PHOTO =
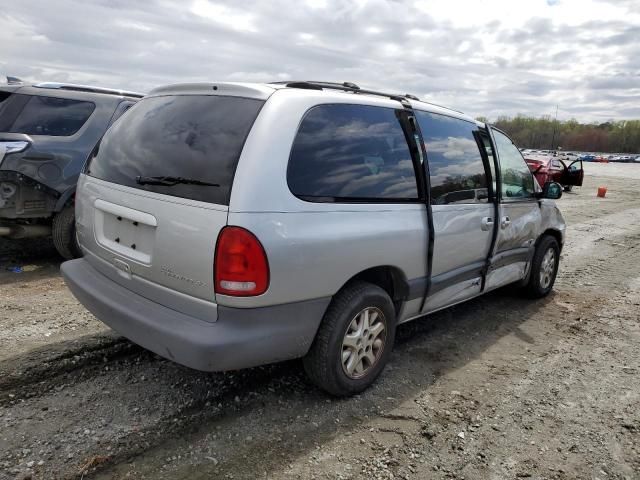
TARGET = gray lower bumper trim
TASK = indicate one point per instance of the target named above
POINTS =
(240, 338)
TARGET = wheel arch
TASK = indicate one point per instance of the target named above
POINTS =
(65, 199)
(388, 277)
(552, 232)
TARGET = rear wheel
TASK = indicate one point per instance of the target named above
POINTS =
(354, 341)
(544, 268)
(63, 230)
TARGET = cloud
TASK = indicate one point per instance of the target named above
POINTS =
(496, 57)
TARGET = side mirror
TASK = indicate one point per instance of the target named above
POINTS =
(552, 190)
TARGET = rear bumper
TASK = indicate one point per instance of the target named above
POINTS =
(240, 338)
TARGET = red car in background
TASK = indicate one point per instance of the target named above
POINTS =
(552, 169)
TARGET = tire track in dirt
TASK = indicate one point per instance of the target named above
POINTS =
(126, 406)
(19, 376)
(600, 253)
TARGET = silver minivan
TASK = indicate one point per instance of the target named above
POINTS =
(231, 225)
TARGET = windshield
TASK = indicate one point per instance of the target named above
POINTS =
(185, 136)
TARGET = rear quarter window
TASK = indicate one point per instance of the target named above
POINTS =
(57, 117)
(351, 153)
(197, 137)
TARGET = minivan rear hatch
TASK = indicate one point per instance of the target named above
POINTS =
(156, 189)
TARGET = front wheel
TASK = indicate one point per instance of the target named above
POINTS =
(544, 268)
(354, 341)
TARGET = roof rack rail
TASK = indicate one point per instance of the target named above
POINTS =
(88, 88)
(442, 106)
(344, 86)
(352, 87)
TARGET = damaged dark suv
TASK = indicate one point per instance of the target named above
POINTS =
(47, 131)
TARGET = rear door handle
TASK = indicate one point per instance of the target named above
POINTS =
(486, 224)
(505, 222)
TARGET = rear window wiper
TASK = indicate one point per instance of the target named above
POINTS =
(169, 181)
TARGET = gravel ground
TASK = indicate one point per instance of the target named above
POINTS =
(496, 388)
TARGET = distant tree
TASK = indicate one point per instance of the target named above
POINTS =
(613, 136)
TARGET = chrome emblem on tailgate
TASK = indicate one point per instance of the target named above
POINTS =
(120, 265)
(170, 273)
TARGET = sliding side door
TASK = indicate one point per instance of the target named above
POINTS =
(463, 216)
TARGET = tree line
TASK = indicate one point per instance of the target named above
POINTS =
(546, 133)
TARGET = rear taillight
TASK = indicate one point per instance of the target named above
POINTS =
(241, 266)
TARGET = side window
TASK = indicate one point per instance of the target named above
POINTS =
(344, 152)
(58, 117)
(457, 172)
(517, 180)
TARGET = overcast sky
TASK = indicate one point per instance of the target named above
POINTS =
(485, 57)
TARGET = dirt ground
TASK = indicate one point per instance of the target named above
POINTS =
(497, 388)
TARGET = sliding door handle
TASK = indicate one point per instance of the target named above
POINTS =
(505, 222)
(486, 224)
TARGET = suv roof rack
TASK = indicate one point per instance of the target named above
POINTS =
(344, 86)
(352, 87)
(88, 88)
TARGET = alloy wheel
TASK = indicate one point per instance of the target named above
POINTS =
(363, 343)
(547, 268)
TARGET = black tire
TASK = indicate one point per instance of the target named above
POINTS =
(323, 363)
(537, 286)
(568, 188)
(64, 233)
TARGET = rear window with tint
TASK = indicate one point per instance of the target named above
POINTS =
(57, 117)
(197, 137)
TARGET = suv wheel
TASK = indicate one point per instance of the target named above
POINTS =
(64, 233)
(354, 341)
(544, 268)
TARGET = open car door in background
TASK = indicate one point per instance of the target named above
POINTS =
(573, 174)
